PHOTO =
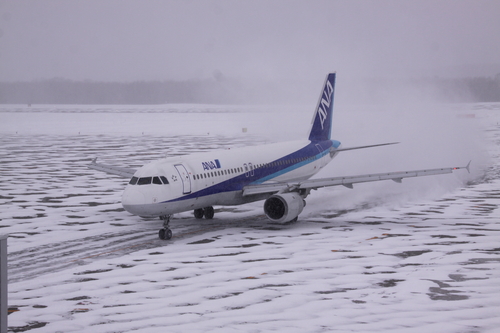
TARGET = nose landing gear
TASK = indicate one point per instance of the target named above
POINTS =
(165, 233)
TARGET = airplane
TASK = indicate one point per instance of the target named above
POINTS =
(277, 173)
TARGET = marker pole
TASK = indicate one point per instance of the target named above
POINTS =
(3, 284)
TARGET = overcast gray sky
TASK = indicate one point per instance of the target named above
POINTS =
(127, 40)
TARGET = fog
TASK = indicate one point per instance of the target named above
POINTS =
(385, 53)
(289, 44)
(388, 56)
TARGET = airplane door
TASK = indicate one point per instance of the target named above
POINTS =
(186, 180)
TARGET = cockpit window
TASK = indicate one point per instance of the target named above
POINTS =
(144, 181)
(158, 180)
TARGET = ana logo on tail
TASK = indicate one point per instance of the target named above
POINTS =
(322, 120)
(324, 105)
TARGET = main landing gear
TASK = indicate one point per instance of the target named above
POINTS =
(208, 212)
(165, 233)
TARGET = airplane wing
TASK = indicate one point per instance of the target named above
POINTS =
(345, 181)
(124, 172)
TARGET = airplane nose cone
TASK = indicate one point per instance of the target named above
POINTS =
(132, 200)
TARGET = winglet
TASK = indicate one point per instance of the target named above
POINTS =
(467, 167)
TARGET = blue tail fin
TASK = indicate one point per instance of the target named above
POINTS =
(322, 121)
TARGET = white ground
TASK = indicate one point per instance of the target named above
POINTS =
(385, 257)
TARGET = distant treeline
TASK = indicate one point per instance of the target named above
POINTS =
(227, 91)
(61, 91)
(476, 89)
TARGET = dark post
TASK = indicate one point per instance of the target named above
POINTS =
(3, 284)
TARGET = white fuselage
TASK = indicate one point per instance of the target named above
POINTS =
(218, 177)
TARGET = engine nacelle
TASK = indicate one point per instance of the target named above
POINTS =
(284, 207)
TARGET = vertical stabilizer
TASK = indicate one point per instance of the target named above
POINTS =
(322, 121)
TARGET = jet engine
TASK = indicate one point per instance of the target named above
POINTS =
(284, 207)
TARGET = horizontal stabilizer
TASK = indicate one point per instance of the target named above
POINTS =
(369, 146)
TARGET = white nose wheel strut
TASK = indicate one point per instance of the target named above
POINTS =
(165, 233)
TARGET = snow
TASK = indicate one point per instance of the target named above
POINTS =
(384, 257)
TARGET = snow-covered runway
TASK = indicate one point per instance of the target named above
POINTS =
(382, 258)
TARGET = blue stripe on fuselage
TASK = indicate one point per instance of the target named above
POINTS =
(296, 155)
(306, 155)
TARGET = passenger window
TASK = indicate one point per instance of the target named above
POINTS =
(133, 181)
(157, 181)
(164, 180)
(144, 181)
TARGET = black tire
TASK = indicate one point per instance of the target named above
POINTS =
(161, 234)
(165, 234)
(209, 212)
(168, 234)
(199, 213)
